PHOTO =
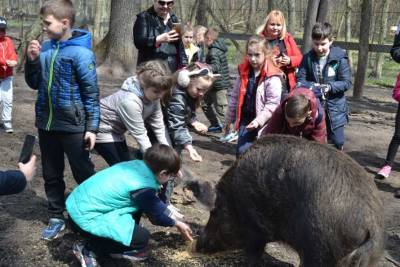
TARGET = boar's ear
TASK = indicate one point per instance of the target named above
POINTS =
(203, 191)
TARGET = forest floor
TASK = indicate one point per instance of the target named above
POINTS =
(23, 216)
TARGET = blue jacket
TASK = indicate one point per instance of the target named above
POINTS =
(65, 77)
(102, 204)
(12, 182)
(337, 74)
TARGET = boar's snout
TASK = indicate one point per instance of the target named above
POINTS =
(205, 244)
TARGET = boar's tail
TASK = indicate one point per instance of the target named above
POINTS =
(367, 254)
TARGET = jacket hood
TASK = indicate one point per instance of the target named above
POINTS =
(132, 85)
(219, 44)
(309, 95)
(179, 91)
(335, 54)
(79, 38)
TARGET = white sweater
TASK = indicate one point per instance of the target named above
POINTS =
(127, 110)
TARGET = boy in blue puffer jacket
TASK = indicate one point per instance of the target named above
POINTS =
(106, 208)
(325, 70)
(67, 108)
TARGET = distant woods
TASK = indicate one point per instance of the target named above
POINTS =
(111, 22)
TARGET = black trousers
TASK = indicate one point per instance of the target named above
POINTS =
(113, 152)
(103, 247)
(395, 142)
(53, 145)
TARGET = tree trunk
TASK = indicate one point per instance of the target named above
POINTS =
(182, 14)
(116, 54)
(312, 10)
(366, 14)
(271, 5)
(223, 27)
(192, 12)
(348, 30)
(292, 16)
(201, 14)
(323, 9)
(250, 25)
(34, 33)
(98, 19)
(381, 40)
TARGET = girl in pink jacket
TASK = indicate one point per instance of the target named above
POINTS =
(384, 172)
(256, 94)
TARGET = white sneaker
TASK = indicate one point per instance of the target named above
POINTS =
(230, 137)
(9, 129)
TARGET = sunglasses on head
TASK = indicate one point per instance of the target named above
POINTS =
(166, 3)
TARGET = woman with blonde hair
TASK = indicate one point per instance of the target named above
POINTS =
(286, 53)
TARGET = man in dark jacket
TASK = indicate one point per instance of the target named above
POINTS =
(395, 51)
(155, 37)
(215, 100)
(325, 70)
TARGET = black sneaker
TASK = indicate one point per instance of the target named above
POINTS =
(397, 193)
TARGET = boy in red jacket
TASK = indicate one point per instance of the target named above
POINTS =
(8, 60)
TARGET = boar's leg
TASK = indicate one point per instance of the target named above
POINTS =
(255, 242)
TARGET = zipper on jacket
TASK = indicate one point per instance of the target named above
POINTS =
(50, 83)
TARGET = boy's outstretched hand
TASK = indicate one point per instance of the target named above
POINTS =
(185, 230)
(33, 51)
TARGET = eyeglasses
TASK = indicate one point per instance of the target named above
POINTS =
(166, 3)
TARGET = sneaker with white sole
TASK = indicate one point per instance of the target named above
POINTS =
(230, 137)
(384, 172)
(9, 129)
(132, 255)
(85, 256)
(53, 229)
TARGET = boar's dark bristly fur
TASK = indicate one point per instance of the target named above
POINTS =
(311, 196)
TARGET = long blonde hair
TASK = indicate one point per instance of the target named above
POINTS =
(274, 14)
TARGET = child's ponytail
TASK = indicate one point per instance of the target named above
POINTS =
(156, 74)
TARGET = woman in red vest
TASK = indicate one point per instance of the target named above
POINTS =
(286, 53)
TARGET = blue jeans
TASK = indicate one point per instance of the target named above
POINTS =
(335, 136)
(245, 139)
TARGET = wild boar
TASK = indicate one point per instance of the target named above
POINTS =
(310, 196)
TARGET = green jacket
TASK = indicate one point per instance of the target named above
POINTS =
(216, 57)
(102, 204)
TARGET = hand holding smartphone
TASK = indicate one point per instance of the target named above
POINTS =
(27, 148)
(177, 27)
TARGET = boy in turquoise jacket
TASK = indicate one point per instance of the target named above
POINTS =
(106, 208)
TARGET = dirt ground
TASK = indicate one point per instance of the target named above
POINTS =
(23, 216)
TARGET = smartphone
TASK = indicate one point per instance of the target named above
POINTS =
(27, 148)
(177, 27)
